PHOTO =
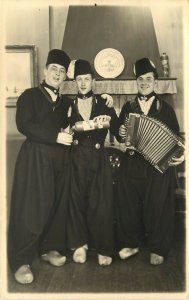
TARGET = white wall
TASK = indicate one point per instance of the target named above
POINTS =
(168, 23)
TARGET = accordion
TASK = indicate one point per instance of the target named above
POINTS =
(153, 140)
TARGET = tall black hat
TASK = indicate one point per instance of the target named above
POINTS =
(57, 56)
(82, 67)
(143, 66)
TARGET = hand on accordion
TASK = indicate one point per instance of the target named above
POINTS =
(175, 161)
(122, 131)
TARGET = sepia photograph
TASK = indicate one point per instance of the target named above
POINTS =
(94, 142)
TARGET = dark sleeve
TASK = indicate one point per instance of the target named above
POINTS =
(114, 123)
(168, 116)
(44, 129)
(173, 122)
(124, 112)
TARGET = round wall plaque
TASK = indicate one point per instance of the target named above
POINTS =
(109, 63)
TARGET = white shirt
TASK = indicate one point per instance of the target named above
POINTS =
(85, 107)
(145, 105)
(53, 95)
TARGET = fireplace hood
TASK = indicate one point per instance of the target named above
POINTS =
(130, 30)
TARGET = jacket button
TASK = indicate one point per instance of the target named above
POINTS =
(97, 146)
(75, 142)
(131, 152)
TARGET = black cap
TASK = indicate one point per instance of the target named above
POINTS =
(57, 56)
(143, 66)
(82, 67)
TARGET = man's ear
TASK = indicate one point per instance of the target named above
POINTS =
(45, 71)
(65, 76)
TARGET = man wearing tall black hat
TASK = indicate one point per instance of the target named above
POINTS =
(145, 204)
(40, 187)
(91, 203)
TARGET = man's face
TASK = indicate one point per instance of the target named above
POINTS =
(84, 83)
(55, 74)
(146, 83)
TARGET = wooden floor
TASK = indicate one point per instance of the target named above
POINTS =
(131, 276)
(134, 275)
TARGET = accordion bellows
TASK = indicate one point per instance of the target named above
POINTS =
(153, 140)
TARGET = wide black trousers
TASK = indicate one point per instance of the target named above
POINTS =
(39, 202)
(145, 205)
(91, 215)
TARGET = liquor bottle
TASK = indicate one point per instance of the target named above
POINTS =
(91, 125)
(165, 64)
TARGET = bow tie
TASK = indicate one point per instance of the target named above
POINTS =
(53, 89)
(145, 97)
(86, 96)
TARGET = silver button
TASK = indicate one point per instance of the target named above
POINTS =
(131, 152)
(97, 146)
(75, 142)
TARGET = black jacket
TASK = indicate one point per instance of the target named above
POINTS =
(39, 118)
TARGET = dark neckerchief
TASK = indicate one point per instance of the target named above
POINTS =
(48, 97)
(86, 96)
(53, 89)
(146, 97)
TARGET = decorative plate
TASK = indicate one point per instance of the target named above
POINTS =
(109, 63)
